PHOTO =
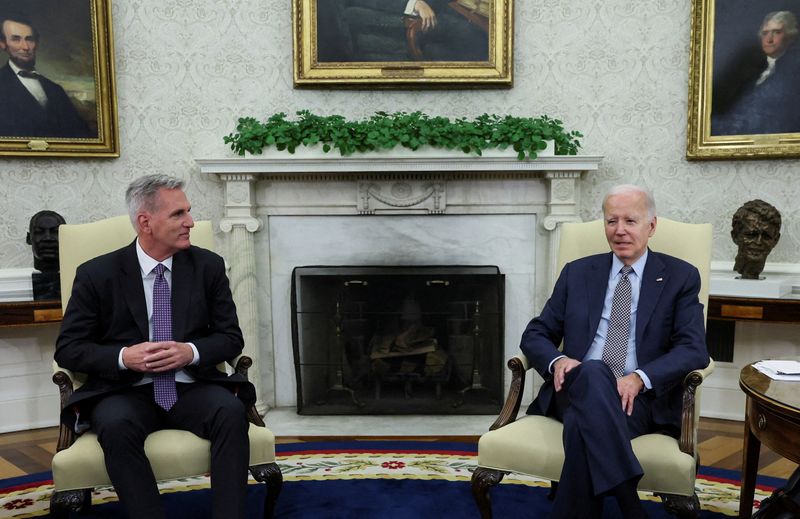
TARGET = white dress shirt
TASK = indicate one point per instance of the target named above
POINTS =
(31, 84)
(146, 265)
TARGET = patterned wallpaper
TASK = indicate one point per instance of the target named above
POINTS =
(186, 69)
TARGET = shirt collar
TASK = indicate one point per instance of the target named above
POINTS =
(638, 265)
(146, 263)
(15, 68)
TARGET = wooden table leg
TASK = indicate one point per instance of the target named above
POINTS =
(750, 453)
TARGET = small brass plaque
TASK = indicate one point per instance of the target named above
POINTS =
(742, 312)
(46, 316)
(38, 145)
(403, 71)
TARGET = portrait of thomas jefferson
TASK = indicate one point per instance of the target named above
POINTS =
(47, 78)
(757, 70)
(402, 30)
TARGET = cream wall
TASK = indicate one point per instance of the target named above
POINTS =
(186, 69)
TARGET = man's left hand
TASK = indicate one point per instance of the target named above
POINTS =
(628, 388)
(169, 355)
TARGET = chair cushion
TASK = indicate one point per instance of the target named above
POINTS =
(172, 454)
(532, 445)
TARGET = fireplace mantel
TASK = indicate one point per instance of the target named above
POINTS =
(404, 183)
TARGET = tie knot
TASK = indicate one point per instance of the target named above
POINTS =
(626, 270)
(159, 269)
(28, 73)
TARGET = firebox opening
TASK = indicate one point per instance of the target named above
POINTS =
(398, 340)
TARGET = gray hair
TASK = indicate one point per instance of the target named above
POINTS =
(650, 202)
(785, 18)
(141, 193)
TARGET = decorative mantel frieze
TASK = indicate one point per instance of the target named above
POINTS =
(408, 183)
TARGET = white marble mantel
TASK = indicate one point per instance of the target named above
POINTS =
(258, 189)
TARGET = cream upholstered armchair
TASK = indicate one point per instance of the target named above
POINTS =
(78, 466)
(532, 445)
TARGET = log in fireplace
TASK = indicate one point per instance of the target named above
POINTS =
(398, 340)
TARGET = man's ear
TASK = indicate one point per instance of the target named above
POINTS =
(28, 238)
(143, 223)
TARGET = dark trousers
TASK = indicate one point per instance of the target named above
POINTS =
(598, 457)
(123, 420)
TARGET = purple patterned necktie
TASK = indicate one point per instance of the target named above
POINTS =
(615, 351)
(164, 389)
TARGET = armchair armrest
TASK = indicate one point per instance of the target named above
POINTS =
(691, 413)
(64, 378)
(518, 365)
(241, 364)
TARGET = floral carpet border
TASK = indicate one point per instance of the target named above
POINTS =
(32, 500)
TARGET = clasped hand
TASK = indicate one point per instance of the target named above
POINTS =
(627, 387)
(155, 357)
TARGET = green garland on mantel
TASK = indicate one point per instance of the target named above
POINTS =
(383, 131)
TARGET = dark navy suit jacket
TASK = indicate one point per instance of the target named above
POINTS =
(22, 116)
(670, 327)
(107, 311)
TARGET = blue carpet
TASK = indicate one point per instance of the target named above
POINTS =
(366, 498)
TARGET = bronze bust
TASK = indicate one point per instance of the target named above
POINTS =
(756, 229)
(43, 239)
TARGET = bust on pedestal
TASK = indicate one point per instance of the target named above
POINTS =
(756, 229)
(43, 239)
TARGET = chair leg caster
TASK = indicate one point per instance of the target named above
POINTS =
(271, 475)
(61, 503)
(685, 507)
(482, 480)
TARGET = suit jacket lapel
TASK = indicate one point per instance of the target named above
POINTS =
(653, 280)
(182, 274)
(596, 287)
(131, 279)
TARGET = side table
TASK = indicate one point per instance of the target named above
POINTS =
(772, 417)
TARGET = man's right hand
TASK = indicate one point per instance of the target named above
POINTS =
(427, 14)
(560, 369)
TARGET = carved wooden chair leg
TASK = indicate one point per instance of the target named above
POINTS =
(685, 507)
(61, 503)
(270, 474)
(482, 480)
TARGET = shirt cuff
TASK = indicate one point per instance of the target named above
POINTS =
(196, 357)
(410, 8)
(121, 365)
(645, 379)
(550, 366)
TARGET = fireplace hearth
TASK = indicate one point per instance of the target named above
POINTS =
(398, 340)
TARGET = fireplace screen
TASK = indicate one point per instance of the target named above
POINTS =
(398, 340)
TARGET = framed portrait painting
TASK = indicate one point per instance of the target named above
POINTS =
(744, 80)
(403, 43)
(57, 79)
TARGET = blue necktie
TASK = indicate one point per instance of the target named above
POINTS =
(615, 351)
(164, 389)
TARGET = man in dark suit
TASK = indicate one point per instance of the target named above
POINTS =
(398, 30)
(148, 323)
(30, 104)
(632, 327)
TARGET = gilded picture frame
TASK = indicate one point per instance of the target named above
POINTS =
(402, 44)
(59, 92)
(738, 109)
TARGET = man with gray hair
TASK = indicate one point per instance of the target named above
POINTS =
(632, 328)
(148, 324)
(766, 101)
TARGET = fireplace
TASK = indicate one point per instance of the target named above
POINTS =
(398, 340)
(282, 210)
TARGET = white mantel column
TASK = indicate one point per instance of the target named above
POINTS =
(562, 206)
(240, 222)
